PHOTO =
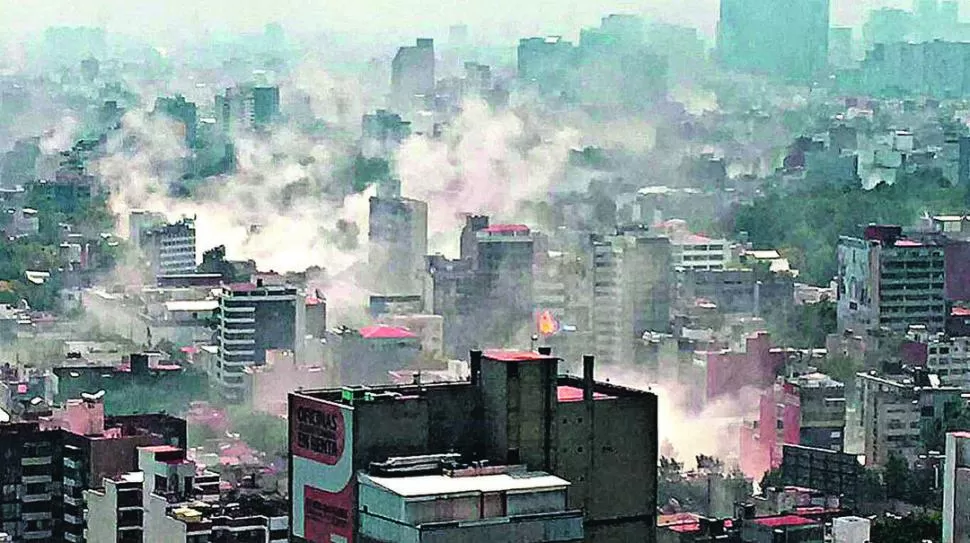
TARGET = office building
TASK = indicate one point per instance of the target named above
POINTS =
(397, 244)
(182, 112)
(945, 355)
(632, 288)
(49, 463)
(515, 410)
(894, 409)
(956, 488)
(822, 411)
(247, 107)
(546, 63)
(413, 75)
(253, 318)
(887, 280)
(170, 248)
(504, 260)
(382, 133)
(782, 38)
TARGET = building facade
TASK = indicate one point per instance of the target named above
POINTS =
(253, 318)
(600, 438)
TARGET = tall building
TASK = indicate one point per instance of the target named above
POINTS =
(822, 411)
(956, 488)
(413, 75)
(632, 282)
(600, 438)
(546, 63)
(181, 111)
(397, 244)
(782, 38)
(45, 466)
(382, 133)
(247, 107)
(253, 318)
(894, 410)
(170, 248)
(892, 281)
(505, 257)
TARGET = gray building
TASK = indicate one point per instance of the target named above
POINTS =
(413, 75)
(253, 318)
(822, 411)
(632, 289)
(397, 244)
(515, 410)
(170, 248)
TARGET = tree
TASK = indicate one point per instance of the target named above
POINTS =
(896, 477)
(772, 479)
(909, 529)
(261, 431)
(956, 417)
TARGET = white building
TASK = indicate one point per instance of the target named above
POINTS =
(956, 488)
(948, 357)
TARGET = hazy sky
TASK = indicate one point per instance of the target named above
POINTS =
(493, 20)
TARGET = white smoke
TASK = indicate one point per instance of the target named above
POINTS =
(485, 162)
(282, 207)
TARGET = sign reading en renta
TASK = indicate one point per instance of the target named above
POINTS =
(317, 431)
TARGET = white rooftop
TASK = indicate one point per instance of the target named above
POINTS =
(430, 485)
(192, 305)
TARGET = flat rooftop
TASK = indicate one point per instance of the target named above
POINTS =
(509, 355)
(432, 485)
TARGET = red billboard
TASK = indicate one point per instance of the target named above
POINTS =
(323, 484)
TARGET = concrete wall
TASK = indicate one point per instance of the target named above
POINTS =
(102, 521)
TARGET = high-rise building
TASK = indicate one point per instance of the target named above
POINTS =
(413, 75)
(632, 283)
(397, 244)
(382, 133)
(782, 38)
(247, 107)
(600, 438)
(956, 488)
(546, 63)
(170, 248)
(894, 410)
(181, 111)
(45, 466)
(822, 411)
(505, 257)
(253, 318)
(890, 280)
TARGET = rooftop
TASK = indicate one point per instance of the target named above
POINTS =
(431, 485)
(567, 393)
(192, 305)
(506, 229)
(784, 520)
(508, 355)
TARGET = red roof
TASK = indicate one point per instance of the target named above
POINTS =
(386, 332)
(503, 355)
(960, 312)
(685, 528)
(567, 393)
(907, 243)
(313, 300)
(784, 520)
(507, 229)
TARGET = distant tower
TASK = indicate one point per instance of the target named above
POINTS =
(412, 74)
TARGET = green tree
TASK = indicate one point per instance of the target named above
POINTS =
(261, 431)
(912, 528)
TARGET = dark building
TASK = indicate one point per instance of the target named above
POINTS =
(782, 38)
(46, 466)
(601, 438)
(266, 106)
(397, 243)
(829, 471)
(178, 109)
(412, 74)
(752, 291)
(253, 318)
(486, 297)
